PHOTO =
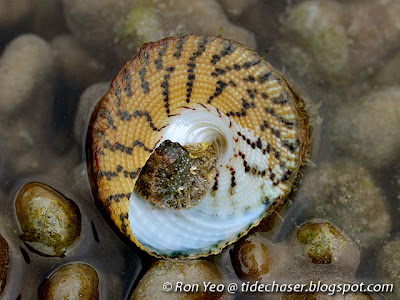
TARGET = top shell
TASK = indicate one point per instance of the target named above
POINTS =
(197, 89)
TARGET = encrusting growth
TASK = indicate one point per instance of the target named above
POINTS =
(176, 176)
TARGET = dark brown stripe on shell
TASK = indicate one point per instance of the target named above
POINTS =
(192, 65)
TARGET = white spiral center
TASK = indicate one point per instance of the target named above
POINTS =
(202, 126)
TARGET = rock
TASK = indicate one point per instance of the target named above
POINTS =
(343, 192)
(72, 281)
(50, 222)
(190, 272)
(251, 259)
(367, 128)
(26, 67)
(346, 41)
(4, 263)
(317, 250)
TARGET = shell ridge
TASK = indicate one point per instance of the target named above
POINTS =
(268, 131)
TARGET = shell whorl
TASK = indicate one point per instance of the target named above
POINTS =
(267, 121)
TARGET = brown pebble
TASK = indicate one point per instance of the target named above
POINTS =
(321, 241)
(73, 281)
(4, 263)
(251, 258)
(188, 272)
(50, 222)
(344, 192)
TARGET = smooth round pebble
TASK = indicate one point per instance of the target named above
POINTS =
(319, 29)
(4, 263)
(320, 250)
(250, 258)
(72, 281)
(367, 128)
(173, 271)
(21, 156)
(25, 65)
(321, 241)
(50, 222)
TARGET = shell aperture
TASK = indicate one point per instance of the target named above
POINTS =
(177, 176)
(197, 89)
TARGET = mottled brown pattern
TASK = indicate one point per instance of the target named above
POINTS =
(4, 263)
(174, 73)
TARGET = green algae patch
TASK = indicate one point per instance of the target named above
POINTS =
(320, 241)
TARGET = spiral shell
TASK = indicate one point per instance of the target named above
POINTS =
(197, 89)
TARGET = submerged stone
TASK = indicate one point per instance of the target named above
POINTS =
(4, 263)
(73, 281)
(50, 222)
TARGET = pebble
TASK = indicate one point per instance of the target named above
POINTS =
(341, 42)
(342, 192)
(72, 281)
(4, 263)
(190, 272)
(367, 128)
(25, 65)
(316, 250)
(50, 222)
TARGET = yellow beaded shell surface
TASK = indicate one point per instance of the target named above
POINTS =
(230, 94)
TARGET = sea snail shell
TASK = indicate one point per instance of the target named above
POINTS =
(197, 89)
